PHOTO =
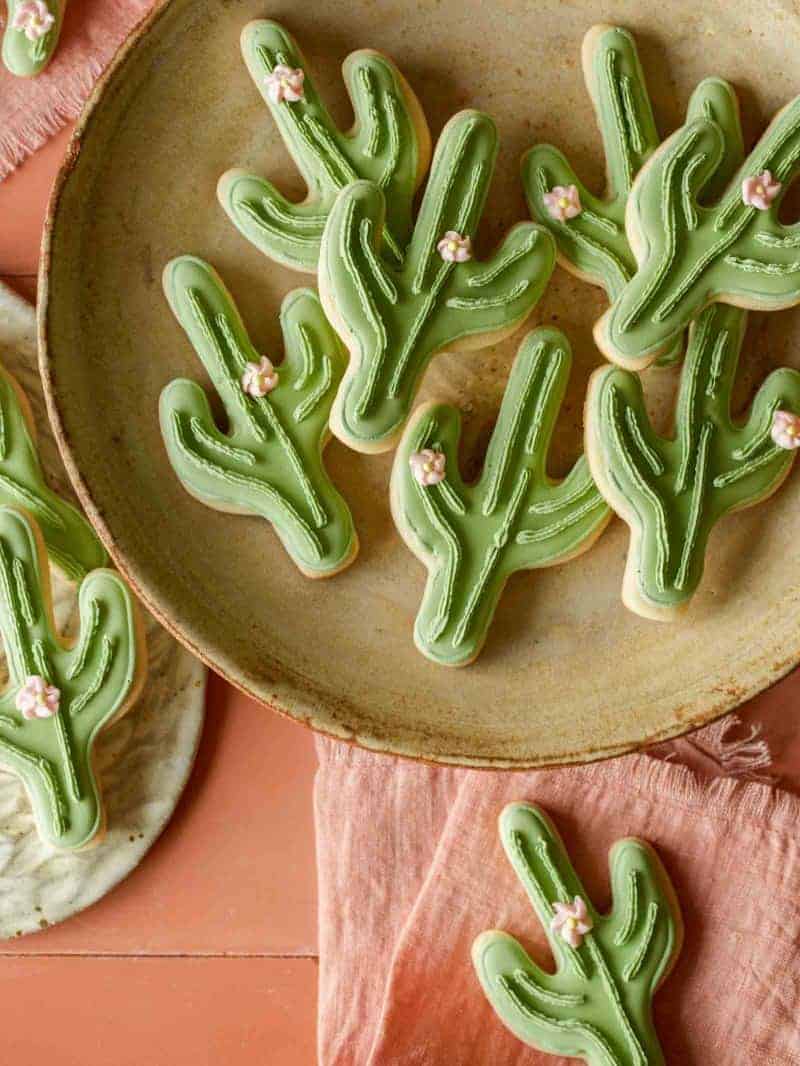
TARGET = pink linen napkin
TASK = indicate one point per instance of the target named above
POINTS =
(33, 109)
(411, 869)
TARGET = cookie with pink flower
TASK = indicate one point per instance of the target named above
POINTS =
(31, 35)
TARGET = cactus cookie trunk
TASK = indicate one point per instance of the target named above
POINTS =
(473, 537)
(389, 145)
(672, 492)
(597, 1005)
(31, 35)
(71, 541)
(689, 253)
(591, 237)
(59, 698)
(395, 320)
(270, 463)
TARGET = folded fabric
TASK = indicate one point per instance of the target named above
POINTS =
(32, 110)
(411, 869)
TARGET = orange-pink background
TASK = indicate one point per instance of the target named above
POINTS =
(207, 953)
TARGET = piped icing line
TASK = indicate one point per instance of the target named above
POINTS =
(389, 145)
(672, 492)
(395, 320)
(42, 739)
(270, 462)
(599, 1012)
(31, 35)
(473, 537)
(71, 542)
(736, 250)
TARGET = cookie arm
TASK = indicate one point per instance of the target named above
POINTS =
(31, 38)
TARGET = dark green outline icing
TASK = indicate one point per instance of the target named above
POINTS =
(389, 145)
(270, 462)
(597, 1004)
(395, 321)
(71, 542)
(98, 678)
(689, 253)
(473, 537)
(27, 58)
(594, 244)
(672, 492)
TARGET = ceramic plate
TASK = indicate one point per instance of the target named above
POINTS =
(567, 673)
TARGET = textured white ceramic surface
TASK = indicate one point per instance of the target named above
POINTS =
(144, 760)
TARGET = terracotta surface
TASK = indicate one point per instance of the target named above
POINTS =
(122, 214)
(233, 874)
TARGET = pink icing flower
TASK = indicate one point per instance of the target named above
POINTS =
(563, 202)
(454, 248)
(428, 466)
(571, 921)
(259, 378)
(37, 699)
(285, 84)
(760, 191)
(33, 18)
(786, 429)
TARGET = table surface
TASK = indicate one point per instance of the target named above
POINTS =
(207, 952)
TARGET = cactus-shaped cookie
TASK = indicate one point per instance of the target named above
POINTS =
(389, 145)
(70, 540)
(270, 461)
(690, 253)
(31, 35)
(597, 1005)
(395, 320)
(473, 537)
(590, 230)
(58, 698)
(672, 492)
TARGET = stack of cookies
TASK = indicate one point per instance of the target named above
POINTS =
(686, 238)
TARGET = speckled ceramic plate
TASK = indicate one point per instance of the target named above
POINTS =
(567, 673)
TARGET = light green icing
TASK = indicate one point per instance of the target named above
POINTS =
(473, 537)
(388, 145)
(97, 679)
(270, 462)
(672, 492)
(690, 252)
(27, 58)
(597, 1005)
(594, 243)
(396, 319)
(71, 541)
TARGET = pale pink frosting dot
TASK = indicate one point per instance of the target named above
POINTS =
(285, 84)
(259, 378)
(33, 18)
(563, 202)
(760, 191)
(428, 466)
(786, 429)
(37, 699)
(454, 248)
(571, 921)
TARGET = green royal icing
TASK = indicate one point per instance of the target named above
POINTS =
(597, 1004)
(690, 253)
(24, 57)
(270, 462)
(672, 492)
(594, 243)
(71, 541)
(388, 145)
(396, 319)
(473, 537)
(97, 679)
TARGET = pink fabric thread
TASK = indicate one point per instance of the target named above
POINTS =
(34, 109)
(411, 869)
